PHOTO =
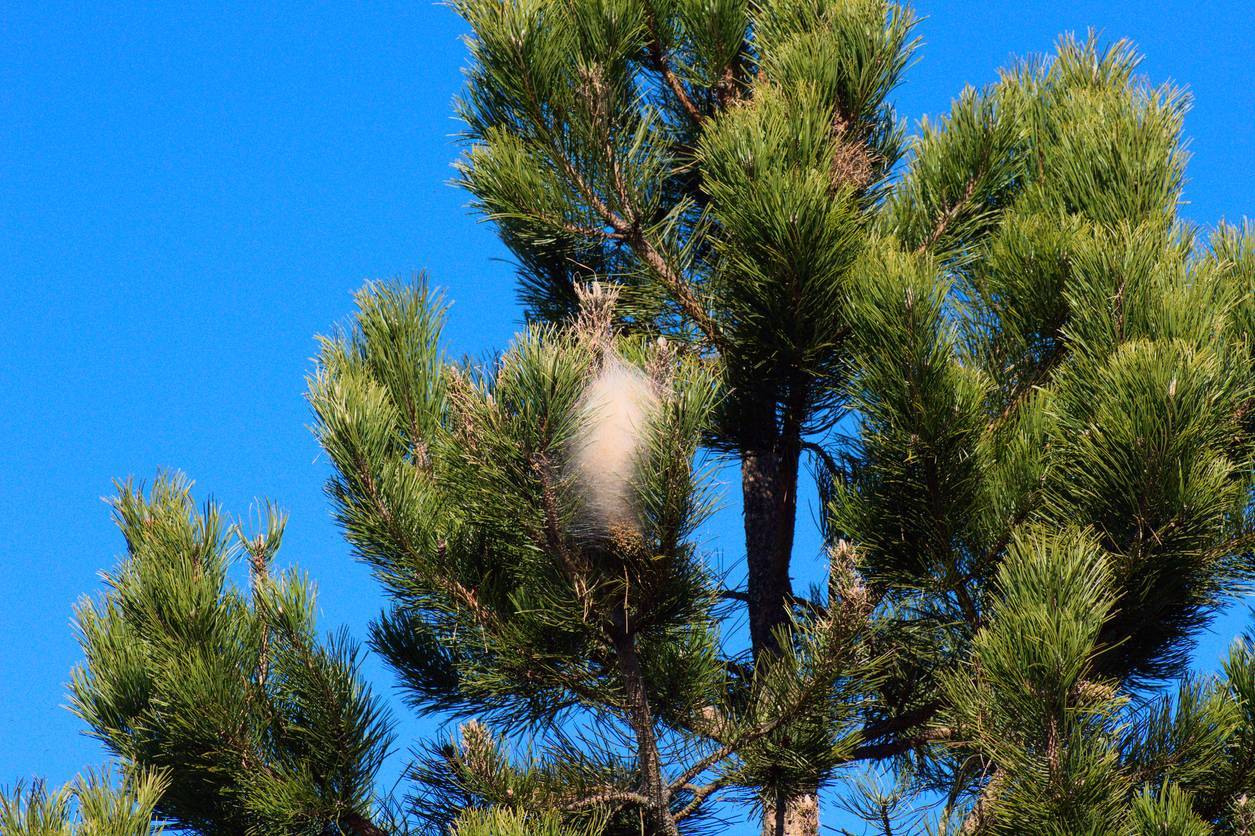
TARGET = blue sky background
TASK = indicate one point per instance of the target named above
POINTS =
(189, 192)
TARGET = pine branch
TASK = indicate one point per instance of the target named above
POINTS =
(700, 794)
(970, 614)
(259, 579)
(609, 796)
(947, 217)
(628, 229)
(906, 720)
(641, 719)
(578, 230)
(659, 60)
(980, 814)
(1024, 388)
(555, 541)
(674, 282)
(880, 751)
(748, 736)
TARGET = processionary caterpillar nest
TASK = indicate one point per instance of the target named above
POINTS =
(615, 411)
(614, 415)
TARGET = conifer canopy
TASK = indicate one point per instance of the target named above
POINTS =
(1025, 386)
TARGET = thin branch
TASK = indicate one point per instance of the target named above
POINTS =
(1026, 386)
(970, 614)
(574, 229)
(880, 751)
(823, 455)
(1241, 543)
(980, 813)
(259, 579)
(1005, 540)
(677, 87)
(747, 736)
(700, 794)
(947, 217)
(675, 283)
(554, 539)
(640, 717)
(659, 59)
(903, 721)
(627, 229)
(782, 715)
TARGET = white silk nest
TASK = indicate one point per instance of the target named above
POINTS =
(615, 411)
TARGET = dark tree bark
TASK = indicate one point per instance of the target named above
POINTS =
(361, 826)
(770, 457)
(769, 490)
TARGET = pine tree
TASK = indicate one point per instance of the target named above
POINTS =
(251, 724)
(1026, 387)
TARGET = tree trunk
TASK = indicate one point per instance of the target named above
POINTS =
(798, 816)
(769, 490)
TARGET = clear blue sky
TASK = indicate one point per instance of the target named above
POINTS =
(189, 192)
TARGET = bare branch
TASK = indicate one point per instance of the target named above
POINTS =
(880, 751)
(700, 794)
(609, 796)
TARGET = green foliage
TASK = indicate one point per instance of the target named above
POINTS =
(1072, 360)
(92, 805)
(1034, 712)
(506, 822)
(475, 524)
(1169, 811)
(514, 605)
(257, 726)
